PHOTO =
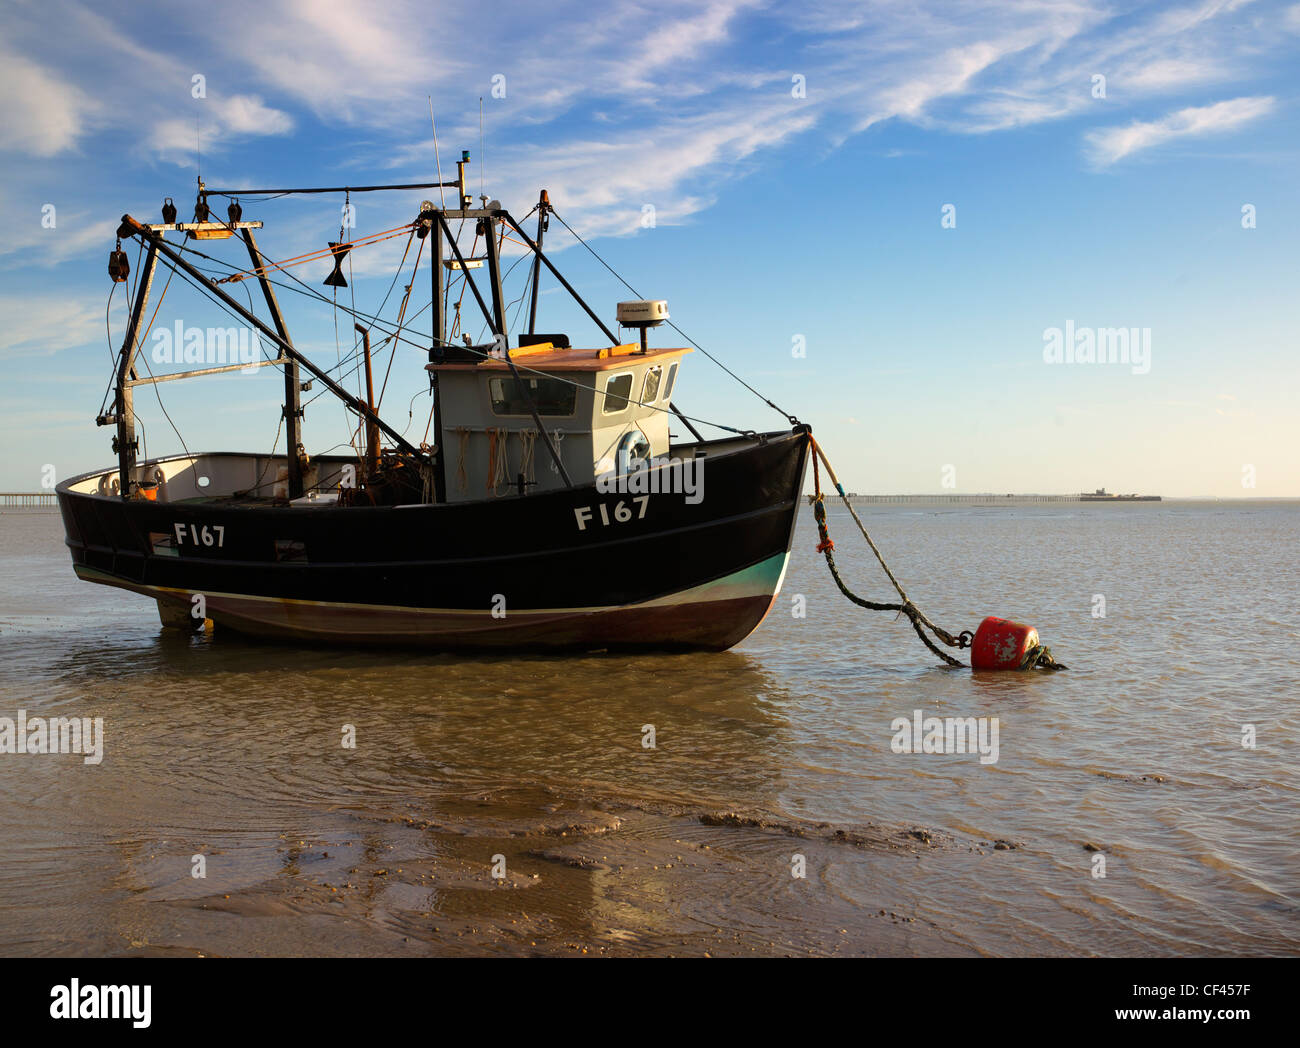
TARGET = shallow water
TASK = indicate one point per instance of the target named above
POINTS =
(535, 767)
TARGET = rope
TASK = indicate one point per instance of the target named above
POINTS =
(557, 435)
(143, 357)
(313, 256)
(462, 480)
(401, 313)
(429, 482)
(906, 607)
(379, 324)
(527, 446)
(789, 418)
(1039, 656)
(498, 462)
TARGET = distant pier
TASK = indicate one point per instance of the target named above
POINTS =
(48, 501)
(28, 500)
(988, 499)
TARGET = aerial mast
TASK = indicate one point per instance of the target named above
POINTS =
(543, 223)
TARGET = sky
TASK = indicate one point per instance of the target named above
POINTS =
(909, 224)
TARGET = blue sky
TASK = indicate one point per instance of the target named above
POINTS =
(799, 159)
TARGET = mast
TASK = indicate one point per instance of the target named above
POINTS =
(436, 353)
(372, 431)
(292, 409)
(125, 442)
(130, 227)
(543, 221)
(488, 226)
(536, 250)
(436, 221)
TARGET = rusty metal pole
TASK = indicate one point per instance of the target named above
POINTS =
(372, 431)
(126, 454)
(292, 378)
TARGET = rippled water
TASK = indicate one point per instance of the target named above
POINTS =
(778, 749)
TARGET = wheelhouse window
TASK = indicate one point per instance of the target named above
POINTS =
(650, 390)
(552, 396)
(672, 377)
(618, 391)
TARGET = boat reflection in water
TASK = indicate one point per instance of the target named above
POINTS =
(398, 795)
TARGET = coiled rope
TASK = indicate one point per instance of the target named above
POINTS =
(527, 449)
(498, 460)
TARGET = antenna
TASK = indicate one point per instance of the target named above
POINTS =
(482, 148)
(442, 196)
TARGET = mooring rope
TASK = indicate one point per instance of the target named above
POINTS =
(906, 607)
(1037, 656)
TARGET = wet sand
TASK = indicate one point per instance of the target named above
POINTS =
(507, 806)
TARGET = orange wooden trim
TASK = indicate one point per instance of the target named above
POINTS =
(528, 351)
(568, 360)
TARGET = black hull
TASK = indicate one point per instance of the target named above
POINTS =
(544, 571)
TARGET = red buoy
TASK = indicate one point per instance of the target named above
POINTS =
(1001, 644)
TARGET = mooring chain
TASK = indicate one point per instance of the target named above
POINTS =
(905, 607)
(1037, 656)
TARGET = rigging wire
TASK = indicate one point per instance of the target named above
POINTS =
(379, 324)
(112, 356)
(352, 296)
(108, 326)
(401, 313)
(464, 280)
(792, 419)
(442, 192)
(274, 444)
(144, 359)
(316, 256)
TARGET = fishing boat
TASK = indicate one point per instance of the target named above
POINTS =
(552, 507)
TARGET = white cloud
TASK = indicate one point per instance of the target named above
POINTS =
(75, 233)
(1108, 145)
(41, 325)
(218, 121)
(1171, 73)
(43, 113)
(248, 115)
(611, 106)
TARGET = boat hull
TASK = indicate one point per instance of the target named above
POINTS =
(569, 569)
